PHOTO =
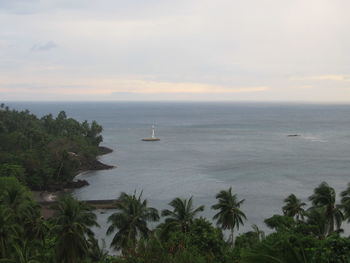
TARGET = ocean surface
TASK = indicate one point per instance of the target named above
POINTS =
(207, 147)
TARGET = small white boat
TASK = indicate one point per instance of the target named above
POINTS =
(153, 138)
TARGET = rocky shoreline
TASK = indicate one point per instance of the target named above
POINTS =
(97, 165)
(102, 150)
(55, 190)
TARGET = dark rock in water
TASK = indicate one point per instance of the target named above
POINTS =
(150, 139)
(97, 165)
(293, 135)
(102, 150)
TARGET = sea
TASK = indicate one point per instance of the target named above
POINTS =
(208, 147)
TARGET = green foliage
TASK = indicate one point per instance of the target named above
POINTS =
(67, 236)
(280, 223)
(12, 170)
(345, 202)
(149, 250)
(294, 207)
(229, 216)
(45, 151)
(72, 223)
(9, 231)
(288, 247)
(20, 223)
(334, 249)
(201, 237)
(324, 199)
(181, 216)
(283, 247)
(249, 239)
(130, 220)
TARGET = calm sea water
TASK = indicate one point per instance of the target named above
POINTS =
(207, 147)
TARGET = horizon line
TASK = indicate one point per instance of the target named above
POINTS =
(182, 101)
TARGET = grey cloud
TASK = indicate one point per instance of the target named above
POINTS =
(22, 7)
(219, 43)
(92, 8)
(44, 47)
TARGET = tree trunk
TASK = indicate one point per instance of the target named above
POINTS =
(331, 225)
(232, 244)
(60, 168)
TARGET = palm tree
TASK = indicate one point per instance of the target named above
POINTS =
(182, 214)
(345, 202)
(17, 198)
(324, 197)
(97, 253)
(24, 252)
(9, 231)
(36, 229)
(131, 221)
(229, 215)
(294, 207)
(259, 233)
(317, 219)
(72, 222)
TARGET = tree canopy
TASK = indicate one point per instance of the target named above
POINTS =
(45, 151)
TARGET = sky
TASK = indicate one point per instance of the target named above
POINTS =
(183, 50)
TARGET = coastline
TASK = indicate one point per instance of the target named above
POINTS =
(59, 190)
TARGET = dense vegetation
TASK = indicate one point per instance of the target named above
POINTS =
(45, 152)
(312, 235)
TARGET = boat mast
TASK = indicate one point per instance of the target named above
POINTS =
(153, 135)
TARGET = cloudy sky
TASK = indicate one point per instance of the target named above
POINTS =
(197, 50)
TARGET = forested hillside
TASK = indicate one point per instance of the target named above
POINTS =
(301, 234)
(48, 151)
